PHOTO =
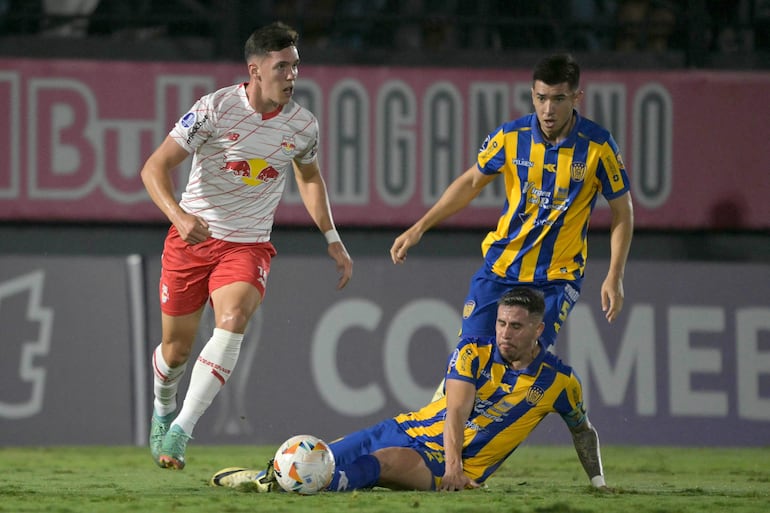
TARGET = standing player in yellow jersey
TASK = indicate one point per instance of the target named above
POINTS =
(497, 390)
(555, 163)
(246, 140)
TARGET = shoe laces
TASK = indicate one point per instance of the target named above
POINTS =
(177, 441)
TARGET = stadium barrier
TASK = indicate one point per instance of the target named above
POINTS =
(687, 362)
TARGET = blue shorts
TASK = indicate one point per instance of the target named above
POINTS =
(480, 308)
(381, 436)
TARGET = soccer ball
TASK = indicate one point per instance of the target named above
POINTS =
(303, 464)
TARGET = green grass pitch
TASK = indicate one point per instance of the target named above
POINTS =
(535, 479)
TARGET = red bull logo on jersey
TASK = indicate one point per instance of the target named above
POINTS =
(252, 172)
(288, 146)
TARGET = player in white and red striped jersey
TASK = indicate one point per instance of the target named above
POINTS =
(245, 140)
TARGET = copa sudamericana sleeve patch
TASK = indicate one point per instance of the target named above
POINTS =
(464, 361)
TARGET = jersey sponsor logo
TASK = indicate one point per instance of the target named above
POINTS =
(534, 394)
(233, 136)
(197, 126)
(188, 120)
(252, 172)
(494, 411)
(612, 169)
(538, 196)
(578, 171)
(522, 162)
(461, 361)
(464, 362)
(542, 198)
(620, 160)
(288, 146)
(473, 426)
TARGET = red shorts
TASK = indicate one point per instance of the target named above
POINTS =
(190, 273)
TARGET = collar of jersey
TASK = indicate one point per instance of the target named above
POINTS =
(530, 369)
(537, 135)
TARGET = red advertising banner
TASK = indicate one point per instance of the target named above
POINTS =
(74, 135)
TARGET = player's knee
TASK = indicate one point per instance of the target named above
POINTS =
(234, 320)
(176, 352)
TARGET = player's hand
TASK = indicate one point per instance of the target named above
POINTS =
(402, 243)
(344, 263)
(192, 229)
(612, 297)
(452, 482)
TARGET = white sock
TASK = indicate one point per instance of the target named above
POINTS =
(211, 371)
(166, 383)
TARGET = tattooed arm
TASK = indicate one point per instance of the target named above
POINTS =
(586, 442)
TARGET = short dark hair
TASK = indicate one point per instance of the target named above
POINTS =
(532, 300)
(270, 38)
(557, 69)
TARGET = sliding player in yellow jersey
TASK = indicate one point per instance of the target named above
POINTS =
(497, 390)
(554, 164)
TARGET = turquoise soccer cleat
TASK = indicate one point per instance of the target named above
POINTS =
(158, 429)
(173, 449)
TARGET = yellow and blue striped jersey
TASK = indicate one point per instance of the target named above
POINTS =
(551, 191)
(508, 405)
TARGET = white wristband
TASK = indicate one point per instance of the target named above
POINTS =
(332, 236)
(598, 481)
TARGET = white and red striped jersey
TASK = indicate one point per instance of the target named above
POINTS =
(241, 160)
